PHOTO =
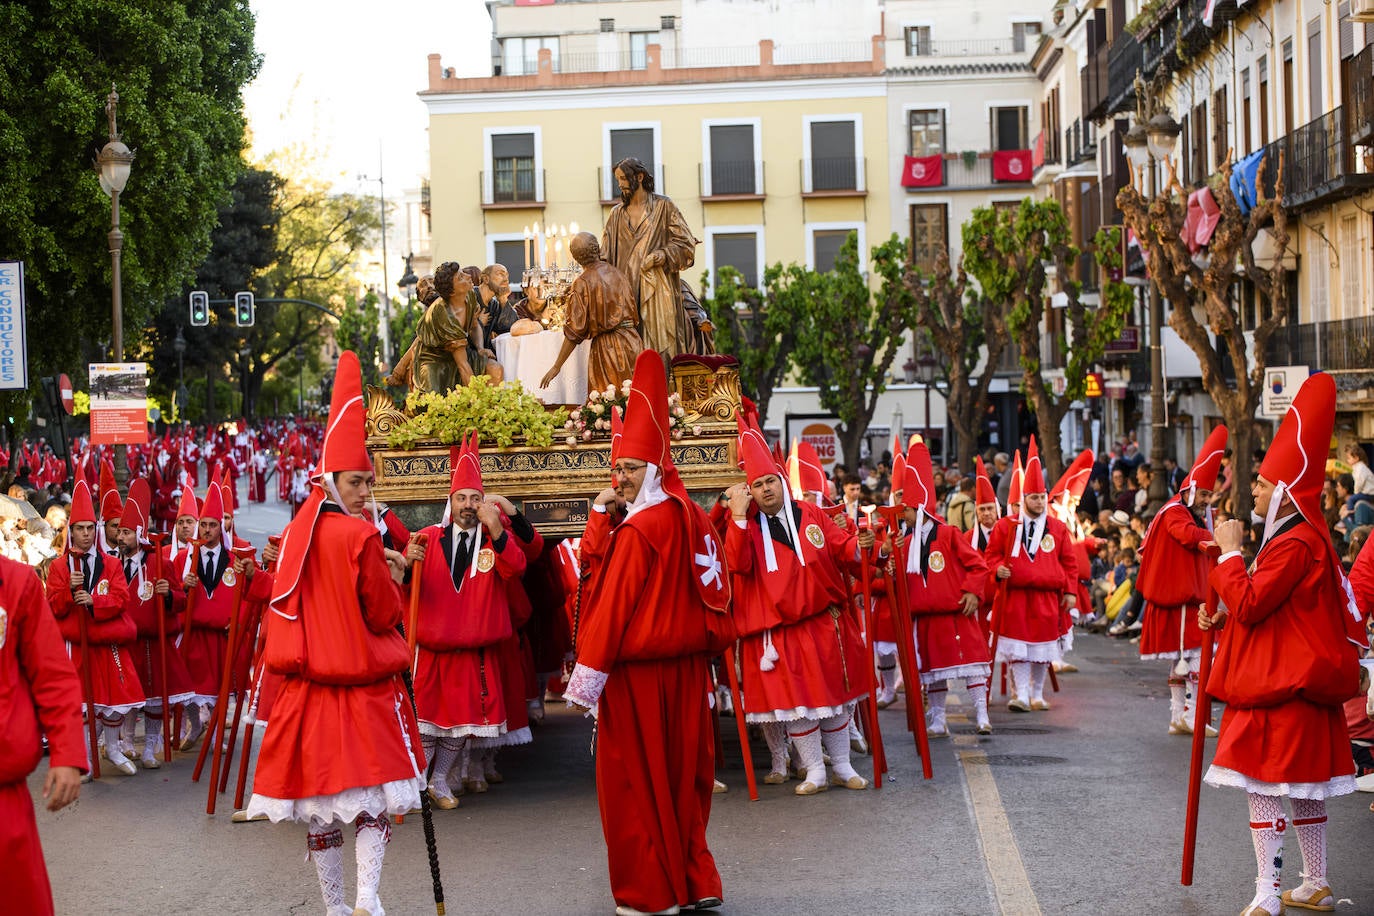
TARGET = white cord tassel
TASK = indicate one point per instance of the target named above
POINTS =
(770, 655)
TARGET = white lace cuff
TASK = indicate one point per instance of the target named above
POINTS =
(585, 686)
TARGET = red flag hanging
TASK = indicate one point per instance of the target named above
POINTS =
(1011, 165)
(923, 171)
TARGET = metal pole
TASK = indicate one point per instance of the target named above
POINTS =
(386, 285)
(121, 457)
(1158, 423)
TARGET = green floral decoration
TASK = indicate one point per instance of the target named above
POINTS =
(501, 414)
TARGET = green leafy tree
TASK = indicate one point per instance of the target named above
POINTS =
(180, 66)
(965, 329)
(850, 336)
(1010, 252)
(359, 331)
(758, 327)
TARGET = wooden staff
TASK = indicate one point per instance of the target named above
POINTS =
(242, 784)
(1201, 719)
(157, 540)
(871, 727)
(732, 677)
(87, 690)
(906, 645)
(215, 730)
(247, 634)
(191, 547)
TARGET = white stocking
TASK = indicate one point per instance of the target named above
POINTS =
(835, 740)
(1309, 820)
(126, 733)
(1178, 697)
(775, 733)
(444, 757)
(887, 677)
(324, 844)
(373, 834)
(112, 750)
(936, 694)
(1037, 673)
(1021, 680)
(977, 688)
(806, 736)
(152, 736)
(1267, 827)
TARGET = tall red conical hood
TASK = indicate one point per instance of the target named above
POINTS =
(188, 506)
(812, 473)
(756, 459)
(110, 506)
(1074, 480)
(617, 433)
(1296, 460)
(345, 437)
(984, 494)
(213, 506)
(918, 490)
(1017, 478)
(898, 471)
(466, 464)
(137, 508)
(646, 412)
(82, 509)
(1033, 480)
(1203, 474)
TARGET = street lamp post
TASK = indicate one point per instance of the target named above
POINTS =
(925, 370)
(1152, 139)
(386, 296)
(182, 395)
(113, 165)
(300, 380)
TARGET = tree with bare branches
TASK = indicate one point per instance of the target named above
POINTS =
(1202, 294)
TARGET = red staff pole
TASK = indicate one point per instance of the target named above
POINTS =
(906, 640)
(242, 784)
(413, 612)
(157, 540)
(1200, 721)
(247, 636)
(87, 690)
(871, 726)
(732, 677)
(215, 732)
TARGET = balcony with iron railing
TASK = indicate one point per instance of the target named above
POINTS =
(1346, 345)
(1320, 164)
(917, 53)
(1179, 33)
(1096, 79)
(723, 179)
(970, 172)
(1362, 97)
(1080, 142)
(1124, 60)
(1046, 150)
(511, 188)
(833, 176)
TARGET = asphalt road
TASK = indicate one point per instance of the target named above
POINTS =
(1075, 811)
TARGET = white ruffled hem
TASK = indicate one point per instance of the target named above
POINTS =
(585, 685)
(1014, 650)
(884, 648)
(203, 699)
(519, 736)
(103, 710)
(1190, 654)
(175, 699)
(940, 675)
(429, 730)
(803, 712)
(397, 797)
(1338, 785)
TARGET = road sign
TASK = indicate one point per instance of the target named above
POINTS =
(1281, 384)
(64, 389)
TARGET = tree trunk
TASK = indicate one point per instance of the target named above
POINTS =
(1242, 442)
(851, 442)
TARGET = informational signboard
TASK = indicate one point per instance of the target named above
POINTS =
(1128, 342)
(14, 351)
(119, 403)
(1281, 384)
(819, 431)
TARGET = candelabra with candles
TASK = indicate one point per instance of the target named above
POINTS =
(549, 279)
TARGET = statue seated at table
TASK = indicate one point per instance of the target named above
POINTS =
(600, 307)
(448, 348)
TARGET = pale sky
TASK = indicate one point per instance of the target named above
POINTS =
(342, 78)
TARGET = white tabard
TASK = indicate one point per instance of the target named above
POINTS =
(526, 358)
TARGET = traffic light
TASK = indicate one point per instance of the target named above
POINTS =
(200, 308)
(243, 309)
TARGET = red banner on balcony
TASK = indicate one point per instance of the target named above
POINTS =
(1038, 155)
(923, 171)
(1011, 165)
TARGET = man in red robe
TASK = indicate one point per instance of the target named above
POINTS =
(39, 695)
(1288, 657)
(1031, 556)
(1177, 554)
(342, 746)
(802, 652)
(659, 614)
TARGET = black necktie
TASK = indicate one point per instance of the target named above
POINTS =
(128, 570)
(778, 530)
(86, 574)
(982, 538)
(461, 559)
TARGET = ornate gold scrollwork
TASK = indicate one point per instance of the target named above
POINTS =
(382, 412)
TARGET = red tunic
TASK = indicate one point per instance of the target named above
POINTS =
(341, 722)
(1285, 665)
(144, 608)
(803, 612)
(1173, 582)
(513, 653)
(1028, 615)
(651, 637)
(110, 633)
(458, 678)
(949, 642)
(205, 643)
(39, 695)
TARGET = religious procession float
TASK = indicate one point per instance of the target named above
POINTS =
(546, 435)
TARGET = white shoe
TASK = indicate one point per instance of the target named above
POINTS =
(984, 726)
(631, 911)
(886, 698)
(121, 763)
